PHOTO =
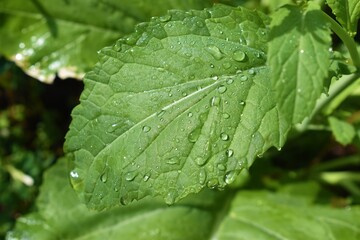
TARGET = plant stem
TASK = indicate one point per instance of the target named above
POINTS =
(335, 89)
(347, 40)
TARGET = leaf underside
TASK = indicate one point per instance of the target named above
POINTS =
(47, 37)
(183, 103)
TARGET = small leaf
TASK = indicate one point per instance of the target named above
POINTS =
(299, 59)
(45, 37)
(343, 131)
(347, 12)
(184, 104)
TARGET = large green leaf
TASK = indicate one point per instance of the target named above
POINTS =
(347, 12)
(183, 103)
(263, 215)
(60, 215)
(288, 214)
(299, 58)
(49, 36)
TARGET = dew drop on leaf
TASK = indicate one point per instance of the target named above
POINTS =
(229, 152)
(224, 136)
(226, 65)
(230, 177)
(230, 81)
(239, 56)
(212, 183)
(202, 176)
(104, 177)
(194, 135)
(146, 129)
(165, 18)
(226, 115)
(200, 161)
(170, 198)
(146, 177)
(215, 101)
(222, 89)
(221, 167)
(242, 103)
(215, 52)
(243, 78)
(124, 200)
(130, 176)
(212, 65)
(190, 114)
(173, 161)
(251, 71)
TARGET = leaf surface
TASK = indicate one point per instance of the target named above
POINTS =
(183, 103)
(288, 214)
(60, 215)
(299, 59)
(347, 12)
(343, 131)
(264, 215)
(48, 37)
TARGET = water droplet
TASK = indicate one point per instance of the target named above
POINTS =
(224, 136)
(212, 65)
(215, 101)
(194, 135)
(212, 183)
(74, 174)
(161, 113)
(146, 129)
(229, 152)
(302, 51)
(242, 103)
(226, 65)
(230, 177)
(221, 167)
(173, 161)
(215, 52)
(215, 78)
(279, 148)
(130, 176)
(200, 161)
(243, 78)
(251, 71)
(190, 114)
(222, 89)
(19, 57)
(230, 81)
(202, 176)
(112, 128)
(170, 198)
(124, 200)
(104, 177)
(165, 18)
(225, 115)
(239, 56)
(146, 177)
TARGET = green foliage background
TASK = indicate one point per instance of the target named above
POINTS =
(312, 183)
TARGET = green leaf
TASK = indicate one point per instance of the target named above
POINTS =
(343, 131)
(251, 215)
(264, 215)
(183, 103)
(299, 59)
(48, 37)
(60, 215)
(347, 12)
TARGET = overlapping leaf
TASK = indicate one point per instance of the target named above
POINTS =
(299, 59)
(347, 12)
(183, 103)
(48, 37)
(60, 215)
(252, 215)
